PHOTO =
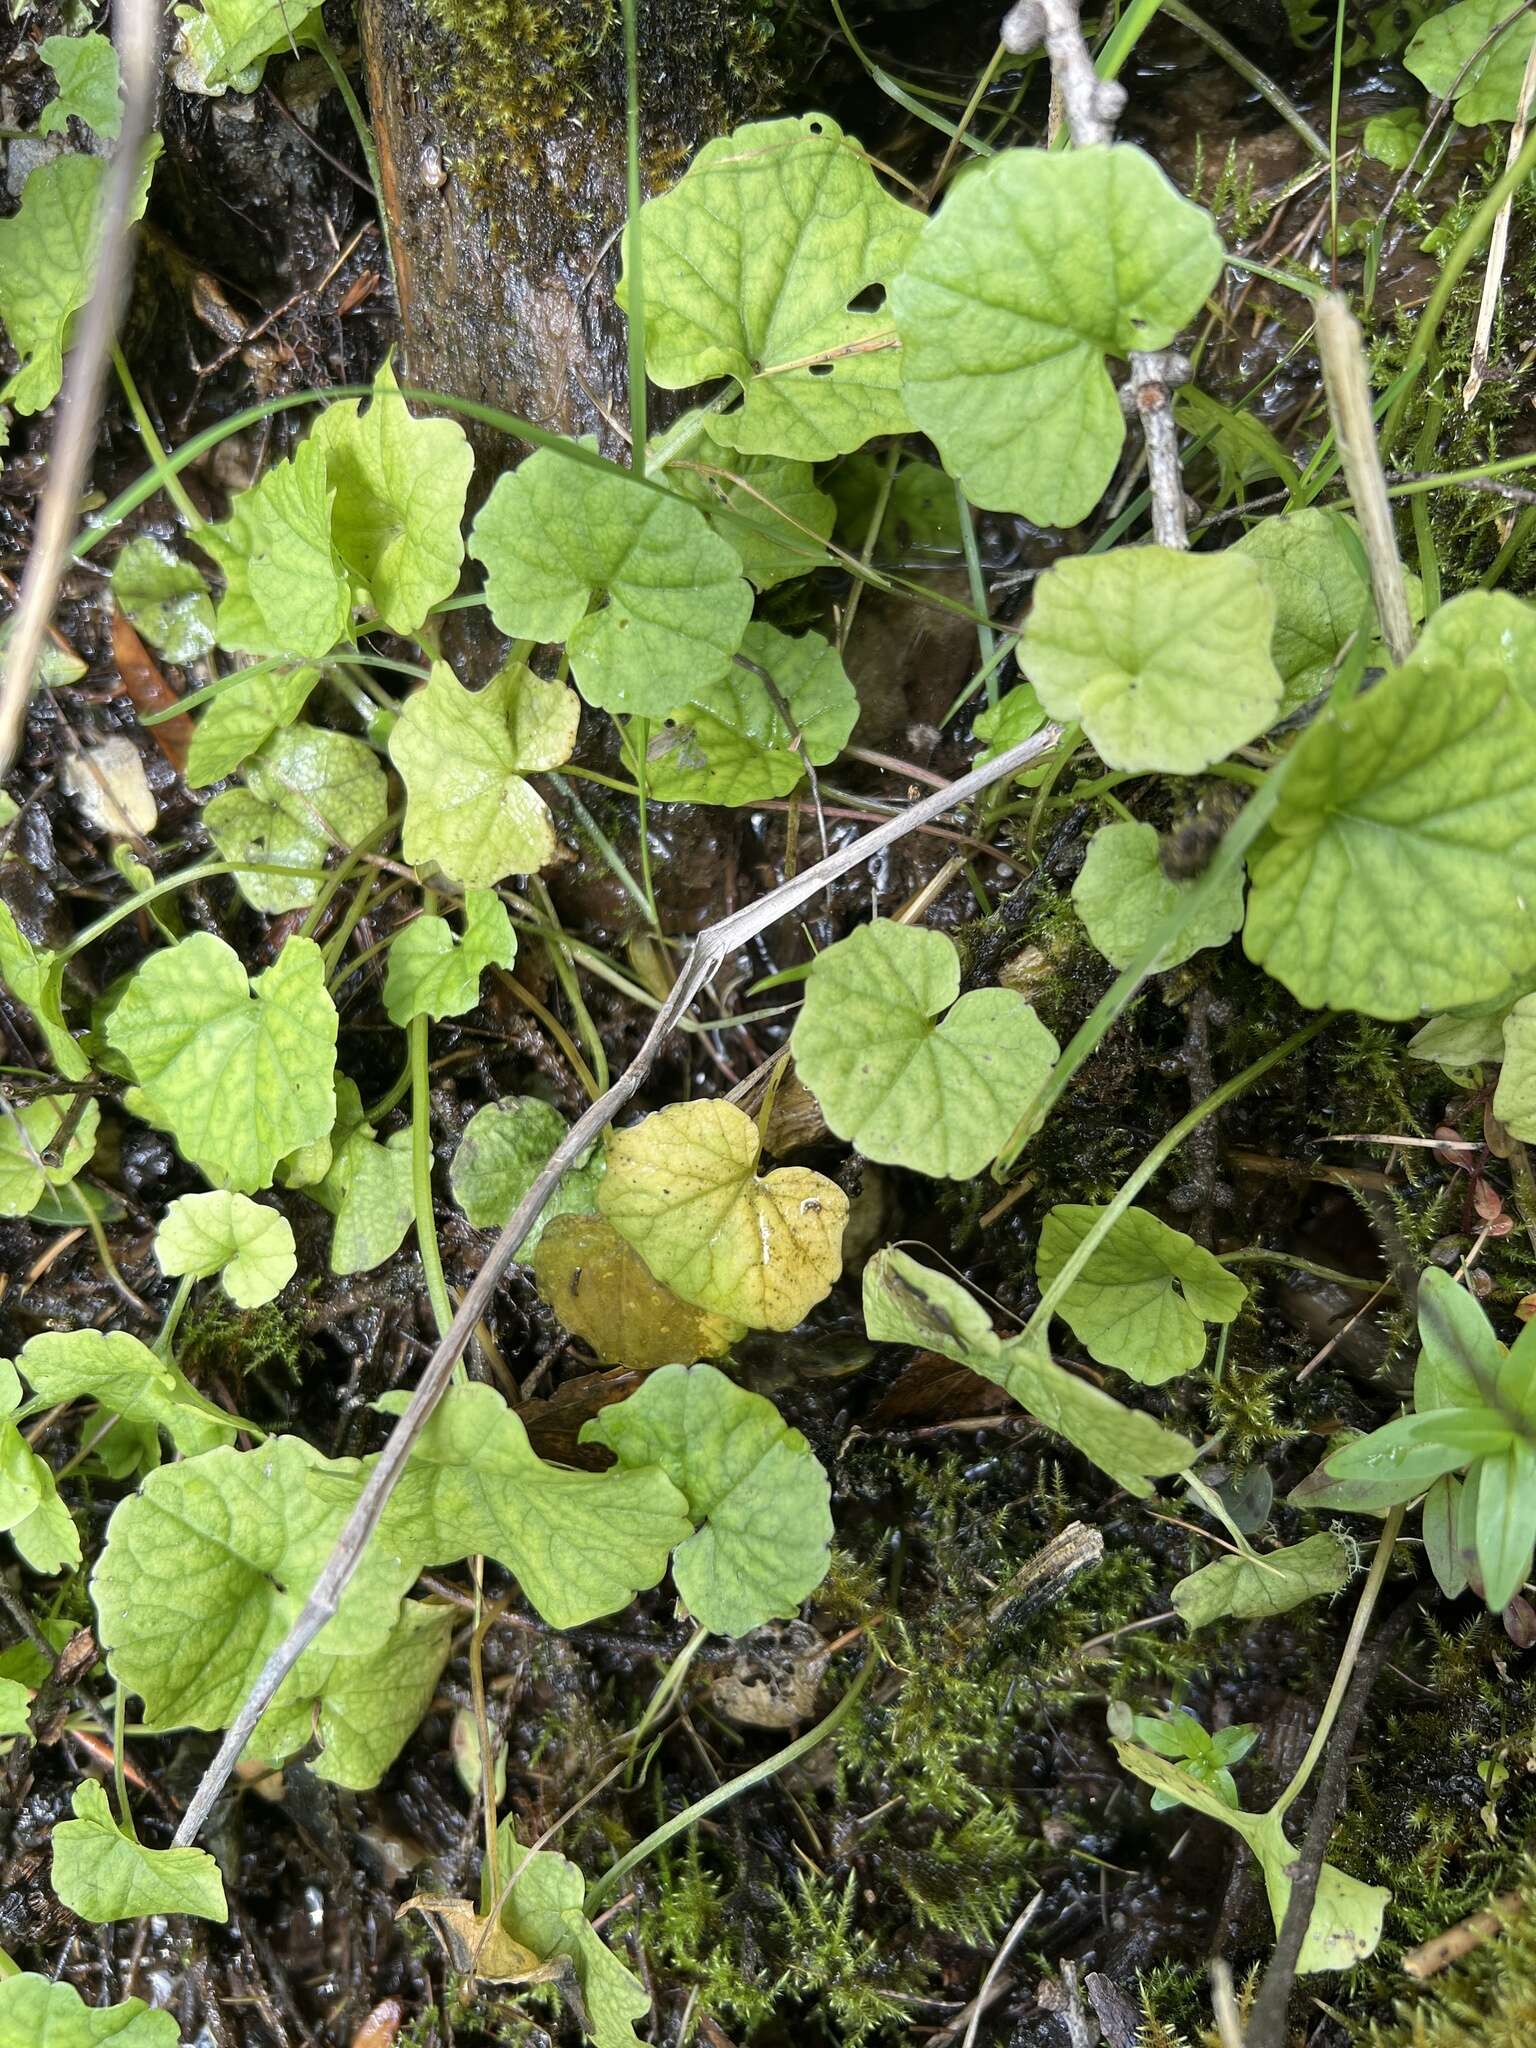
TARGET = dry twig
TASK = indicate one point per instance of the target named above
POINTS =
(1354, 429)
(1493, 276)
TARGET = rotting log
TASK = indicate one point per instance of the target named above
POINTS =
(500, 132)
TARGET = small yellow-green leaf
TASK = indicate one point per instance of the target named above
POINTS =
(85, 70)
(1162, 658)
(555, 534)
(1122, 894)
(1476, 52)
(505, 1147)
(545, 1912)
(908, 1086)
(433, 972)
(164, 598)
(126, 1378)
(285, 591)
(682, 1187)
(307, 794)
(753, 1486)
(248, 1245)
(104, 1875)
(463, 755)
(1142, 1301)
(35, 2011)
(242, 717)
(770, 510)
(605, 1294)
(25, 1136)
(1259, 1585)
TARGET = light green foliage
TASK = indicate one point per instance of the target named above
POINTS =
(1243, 448)
(1474, 1412)
(753, 1485)
(1462, 1038)
(433, 972)
(1393, 139)
(751, 265)
(907, 1303)
(25, 1136)
(505, 1147)
(238, 1071)
(308, 793)
(362, 1710)
(205, 1569)
(731, 744)
(554, 534)
(1447, 43)
(15, 1707)
(37, 1521)
(85, 70)
(1514, 1100)
(377, 1205)
(1016, 716)
(165, 600)
(920, 510)
(682, 1187)
(1163, 658)
(1122, 895)
(125, 1378)
(1142, 1301)
(103, 1874)
(1037, 266)
(463, 756)
(579, 1543)
(1346, 1915)
(1258, 1584)
(227, 42)
(907, 1090)
(242, 718)
(36, 2013)
(545, 1913)
(47, 268)
(400, 485)
(248, 1245)
(1314, 568)
(1205, 1757)
(769, 509)
(1401, 861)
(285, 591)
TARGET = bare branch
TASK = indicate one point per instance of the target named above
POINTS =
(1093, 105)
(711, 949)
(137, 25)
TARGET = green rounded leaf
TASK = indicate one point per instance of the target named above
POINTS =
(682, 1187)
(27, 971)
(36, 2011)
(104, 1875)
(25, 1136)
(242, 717)
(555, 534)
(125, 1378)
(1038, 265)
(164, 598)
(730, 743)
(1400, 869)
(1315, 570)
(770, 510)
(307, 794)
(754, 1488)
(464, 755)
(285, 591)
(1514, 1100)
(752, 264)
(1256, 1585)
(904, 1085)
(435, 973)
(544, 1913)
(1162, 658)
(376, 1205)
(238, 1071)
(400, 485)
(85, 70)
(1456, 51)
(1143, 1299)
(248, 1245)
(1122, 894)
(505, 1147)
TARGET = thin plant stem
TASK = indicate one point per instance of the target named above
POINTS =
(421, 1176)
(174, 488)
(365, 142)
(119, 1774)
(986, 639)
(634, 276)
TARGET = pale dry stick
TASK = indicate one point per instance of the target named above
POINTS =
(1354, 429)
(983, 1997)
(1493, 276)
(137, 23)
(711, 950)
(1093, 105)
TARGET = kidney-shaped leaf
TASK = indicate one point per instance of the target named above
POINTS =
(34, 2010)
(545, 1914)
(1400, 869)
(164, 598)
(1037, 266)
(505, 1147)
(433, 972)
(125, 1378)
(1123, 894)
(26, 1135)
(1162, 658)
(682, 1187)
(1142, 1301)
(103, 1874)
(285, 591)
(1457, 50)
(463, 756)
(752, 266)
(555, 533)
(1315, 570)
(307, 793)
(905, 1085)
(753, 1486)
(247, 1244)
(238, 1071)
